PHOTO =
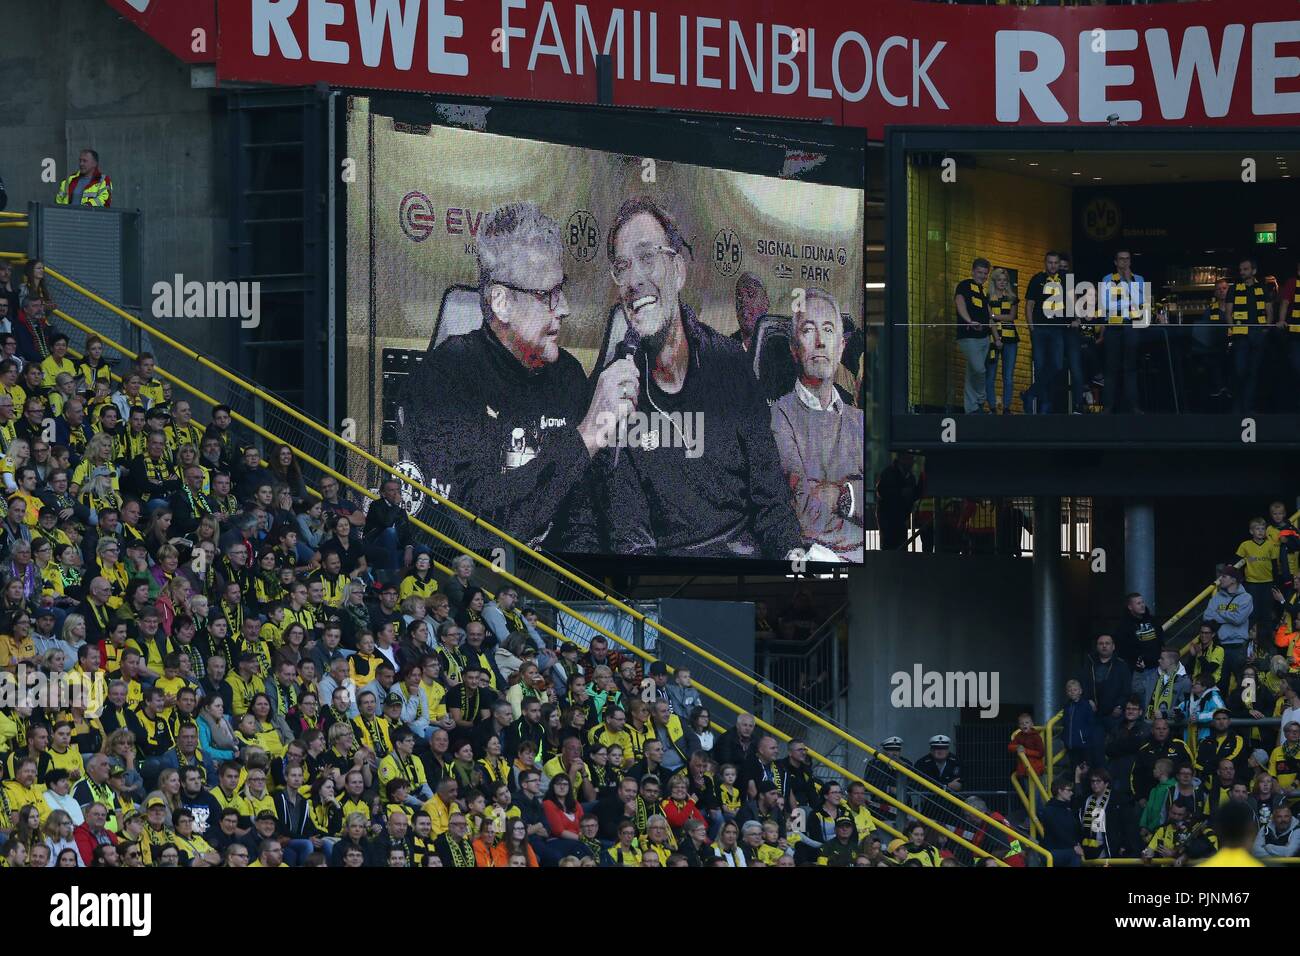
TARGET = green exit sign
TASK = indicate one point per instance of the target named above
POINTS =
(1265, 238)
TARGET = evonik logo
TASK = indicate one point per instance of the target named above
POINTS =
(83, 910)
(946, 689)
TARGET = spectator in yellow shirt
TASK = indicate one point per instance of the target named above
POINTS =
(1261, 557)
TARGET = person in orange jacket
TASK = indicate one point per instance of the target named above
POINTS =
(1028, 741)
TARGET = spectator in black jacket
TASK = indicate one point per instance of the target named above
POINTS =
(1061, 826)
(736, 744)
(1107, 683)
(1122, 746)
(940, 764)
(354, 838)
(1139, 636)
(151, 476)
(395, 835)
(388, 526)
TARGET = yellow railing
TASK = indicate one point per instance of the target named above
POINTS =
(1030, 793)
(1169, 861)
(616, 602)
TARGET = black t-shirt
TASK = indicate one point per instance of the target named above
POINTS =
(1043, 291)
(977, 307)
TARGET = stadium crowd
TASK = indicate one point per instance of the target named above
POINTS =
(205, 663)
(1162, 734)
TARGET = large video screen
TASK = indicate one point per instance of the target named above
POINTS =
(608, 354)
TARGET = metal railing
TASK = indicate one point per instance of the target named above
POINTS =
(935, 808)
(992, 526)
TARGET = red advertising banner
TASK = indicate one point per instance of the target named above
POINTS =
(871, 64)
(187, 28)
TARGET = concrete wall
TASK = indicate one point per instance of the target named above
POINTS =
(946, 613)
(74, 74)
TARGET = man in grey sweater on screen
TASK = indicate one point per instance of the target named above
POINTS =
(819, 437)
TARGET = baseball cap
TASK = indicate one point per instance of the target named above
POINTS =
(895, 844)
(940, 740)
(844, 822)
(154, 802)
(767, 786)
(117, 772)
(266, 815)
(1231, 570)
(393, 699)
(45, 612)
(1261, 757)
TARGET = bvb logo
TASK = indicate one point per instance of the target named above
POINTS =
(726, 252)
(412, 498)
(582, 236)
(1101, 219)
(415, 215)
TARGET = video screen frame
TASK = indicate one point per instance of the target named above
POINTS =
(744, 144)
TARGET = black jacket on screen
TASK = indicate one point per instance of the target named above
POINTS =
(498, 439)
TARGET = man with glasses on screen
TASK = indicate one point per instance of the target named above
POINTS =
(703, 479)
(503, 419)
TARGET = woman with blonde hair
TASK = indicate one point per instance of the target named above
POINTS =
(17, 455)
(1004, 339)
(108, 558)
(99, 454)
(187, 455)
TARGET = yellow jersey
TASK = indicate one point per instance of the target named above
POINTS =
(1260, 559)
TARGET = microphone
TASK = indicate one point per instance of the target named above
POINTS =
(630, 345)
(628, 348)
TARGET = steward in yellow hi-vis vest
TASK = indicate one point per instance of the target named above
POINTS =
(89, 186)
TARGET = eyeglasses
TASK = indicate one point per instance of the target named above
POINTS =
(551, 298)
(645, 257)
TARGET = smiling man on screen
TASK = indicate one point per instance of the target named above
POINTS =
(716, 492)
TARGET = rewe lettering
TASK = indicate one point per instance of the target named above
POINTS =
(1104, 71)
